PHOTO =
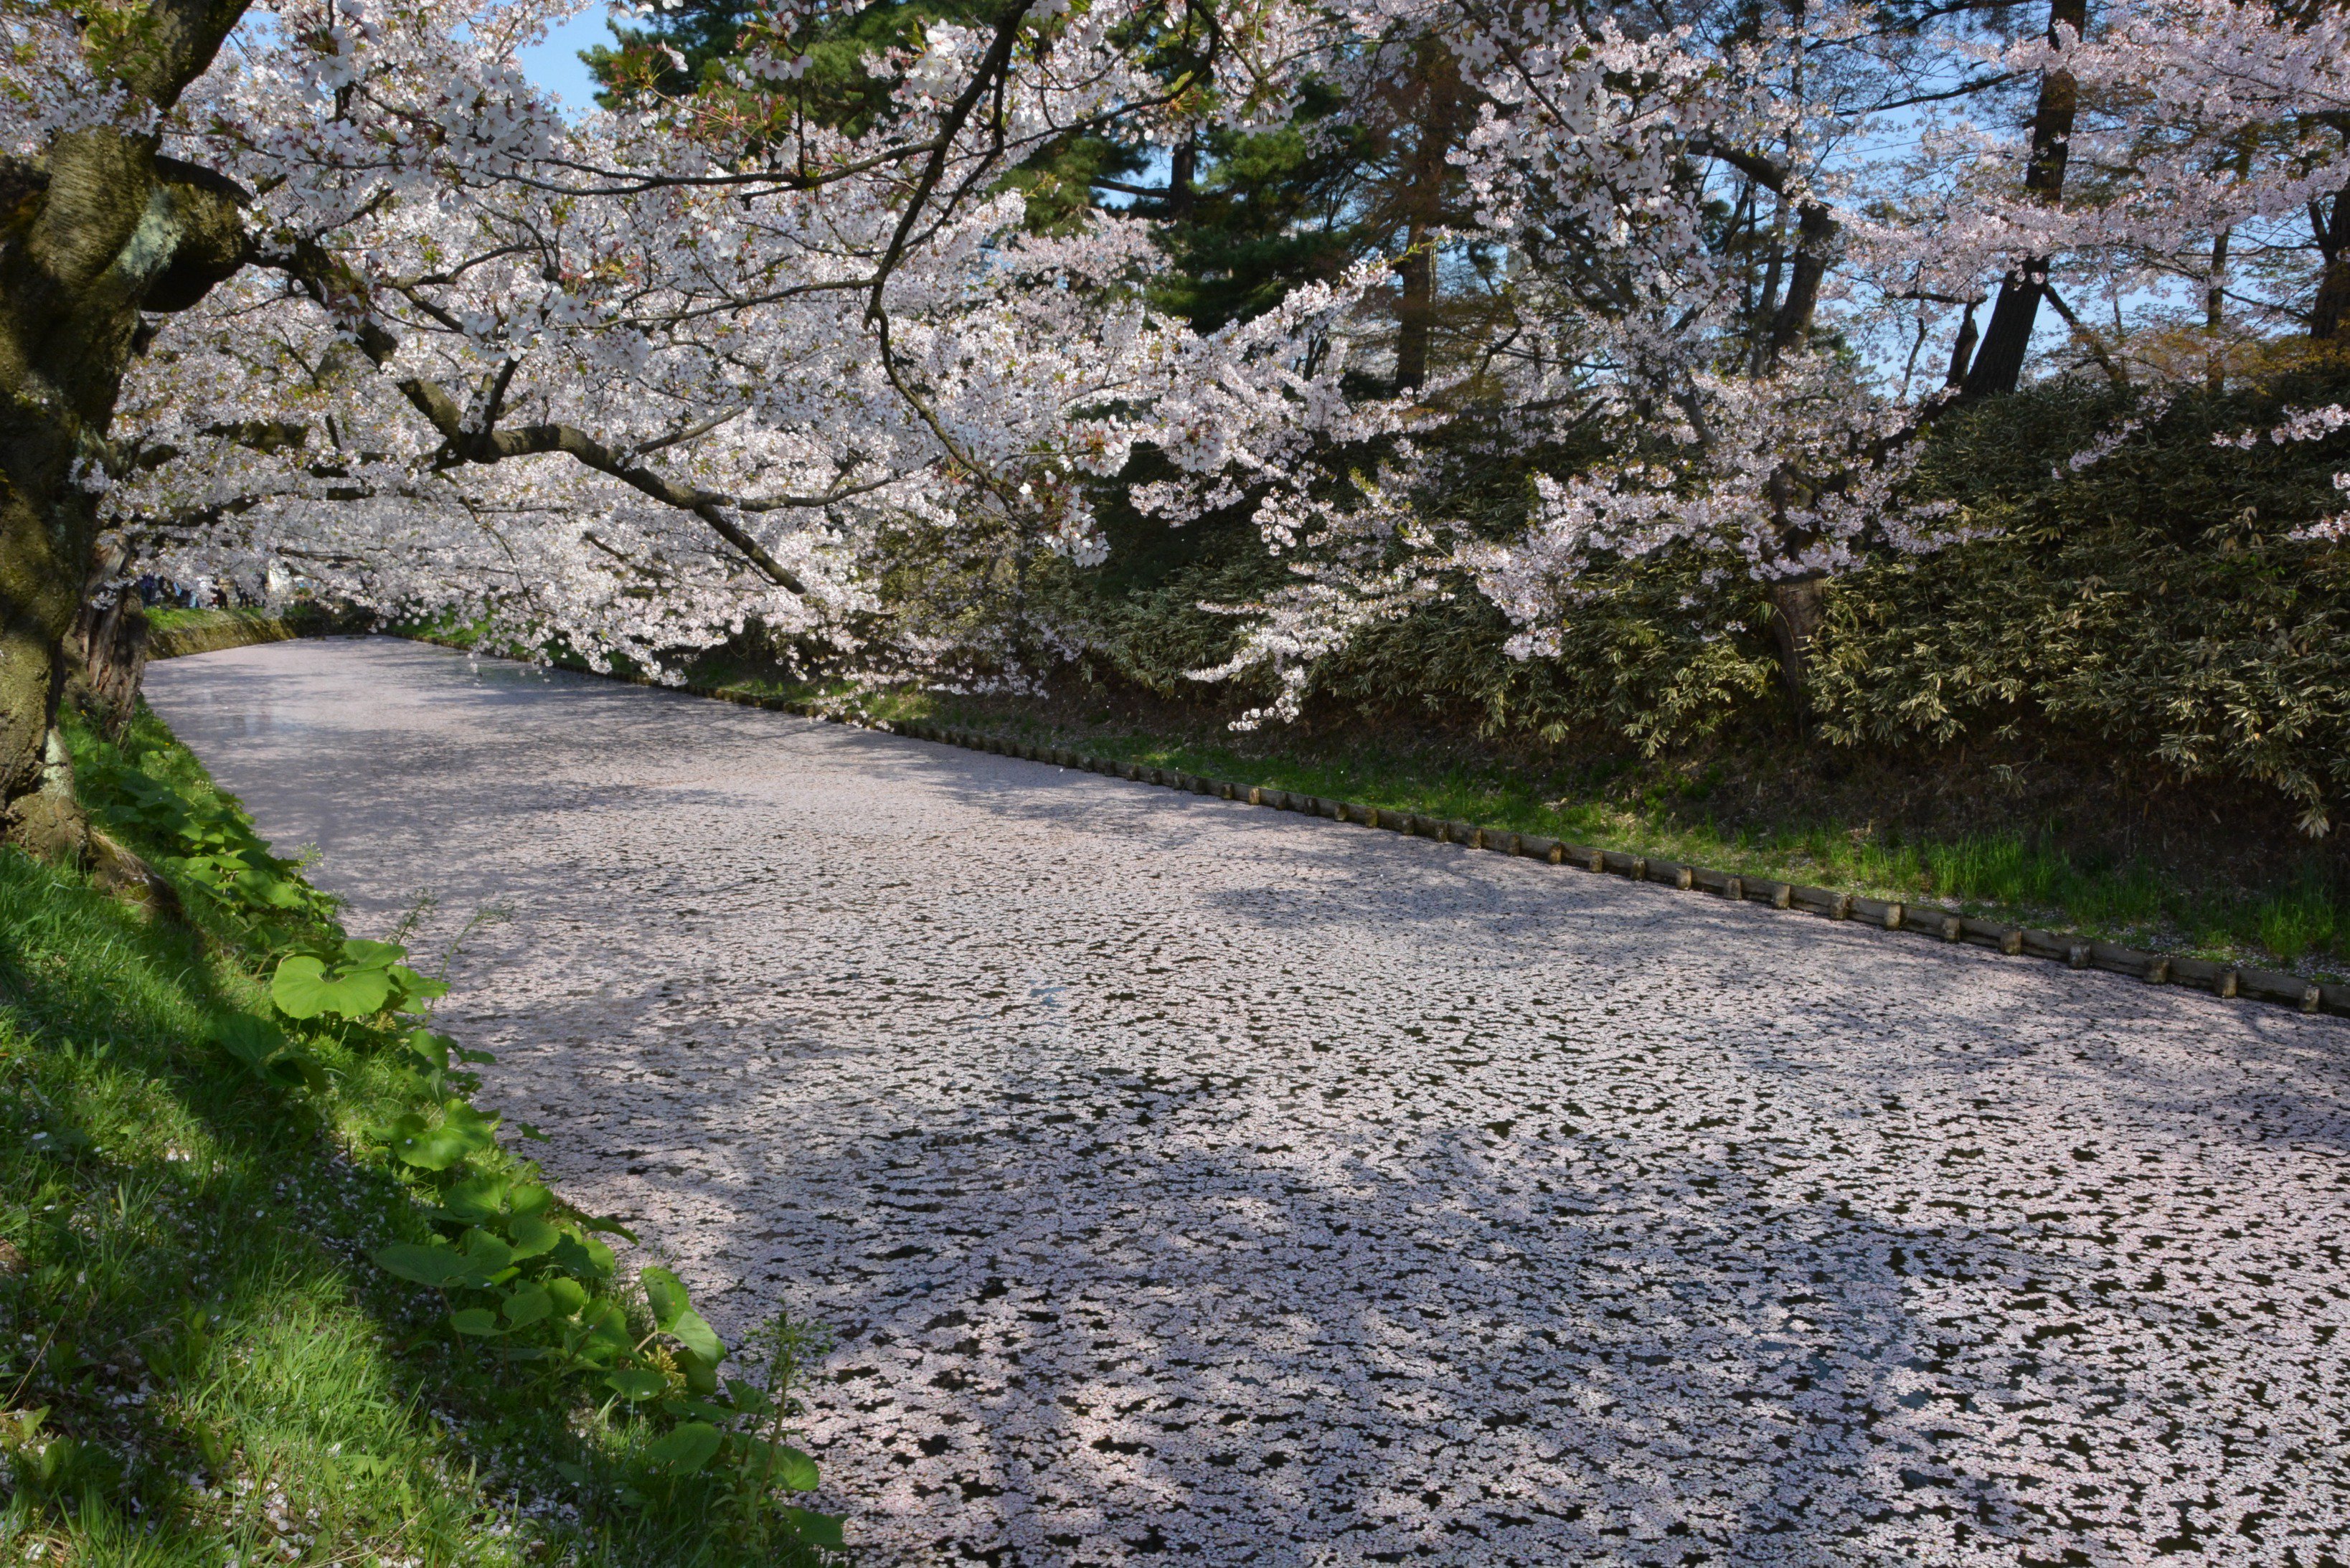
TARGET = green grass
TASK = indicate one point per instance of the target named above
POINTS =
(198, 1363)
(167, 617)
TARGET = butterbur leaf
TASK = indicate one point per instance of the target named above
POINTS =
(568, 1295)
(528, 1197)
(252, 1040)
(265, 1052)
(606, 1318)
(816, 1529)
(431, 1050)
(458, 1114)
(439, 1267)
(634, 1383)
(486, 1252)
(358, 953)
(476, 1199)
(795, 1469)
(584, 1256)
(665, 1293)
(690, 1331)
(685, 1448)
(530, 1236)
(463, 1130)
(410, 986)
(305, 988)
(432, 1147)
(529, 1305)
(480, 1321)
(609, 1227)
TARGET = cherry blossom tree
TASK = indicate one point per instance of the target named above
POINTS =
(1914, 166)
(632, 383)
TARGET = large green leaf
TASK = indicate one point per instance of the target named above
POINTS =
(684, 1447)
(430, 1051)
(305, 988)
(635, 1382)
(480, 1321)
(438, 1266)
(690, 1331)
(584, 1256)
(475, 1198)
(486, 1252)
(665, 1293)
(265, 1052)
(408, 986)
(529, 1305)
(816, 1529)
(461, 1131)
(785, 1463)
(530, 1236)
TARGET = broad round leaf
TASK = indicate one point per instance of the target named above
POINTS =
(635, 1382)
(684, 1448)
(302, 987)
(816, 1529)
(788, 1465)
(437, 1266)
(530, 1236)
(486, 1252)
(529, 1305)
(480, 1321)
(690, 1331)
(665, 1293)
(476, 1199)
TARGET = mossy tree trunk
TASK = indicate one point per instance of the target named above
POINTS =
(97, 230)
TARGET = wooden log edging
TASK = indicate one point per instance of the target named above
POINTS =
(1891, 917)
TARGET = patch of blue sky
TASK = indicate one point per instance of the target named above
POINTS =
(554, 63)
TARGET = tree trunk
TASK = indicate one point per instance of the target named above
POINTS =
(1815, 232)
(1415, 310)
(1999, 364)
(1797, 605)
(2334, 283)
(108, 659)
(2215, 317)
(1963, 352)
(1182, 176)
(94, 231)
(1439, 115)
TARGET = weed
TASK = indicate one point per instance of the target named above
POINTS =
(199, 1355)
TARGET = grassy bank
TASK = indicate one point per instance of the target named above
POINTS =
(2066, 857)
(2299, 925)
(202, 1361)
(1764, 814)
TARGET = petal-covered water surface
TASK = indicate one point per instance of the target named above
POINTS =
(1183, 1178)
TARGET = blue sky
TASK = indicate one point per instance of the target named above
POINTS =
(555, 64)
